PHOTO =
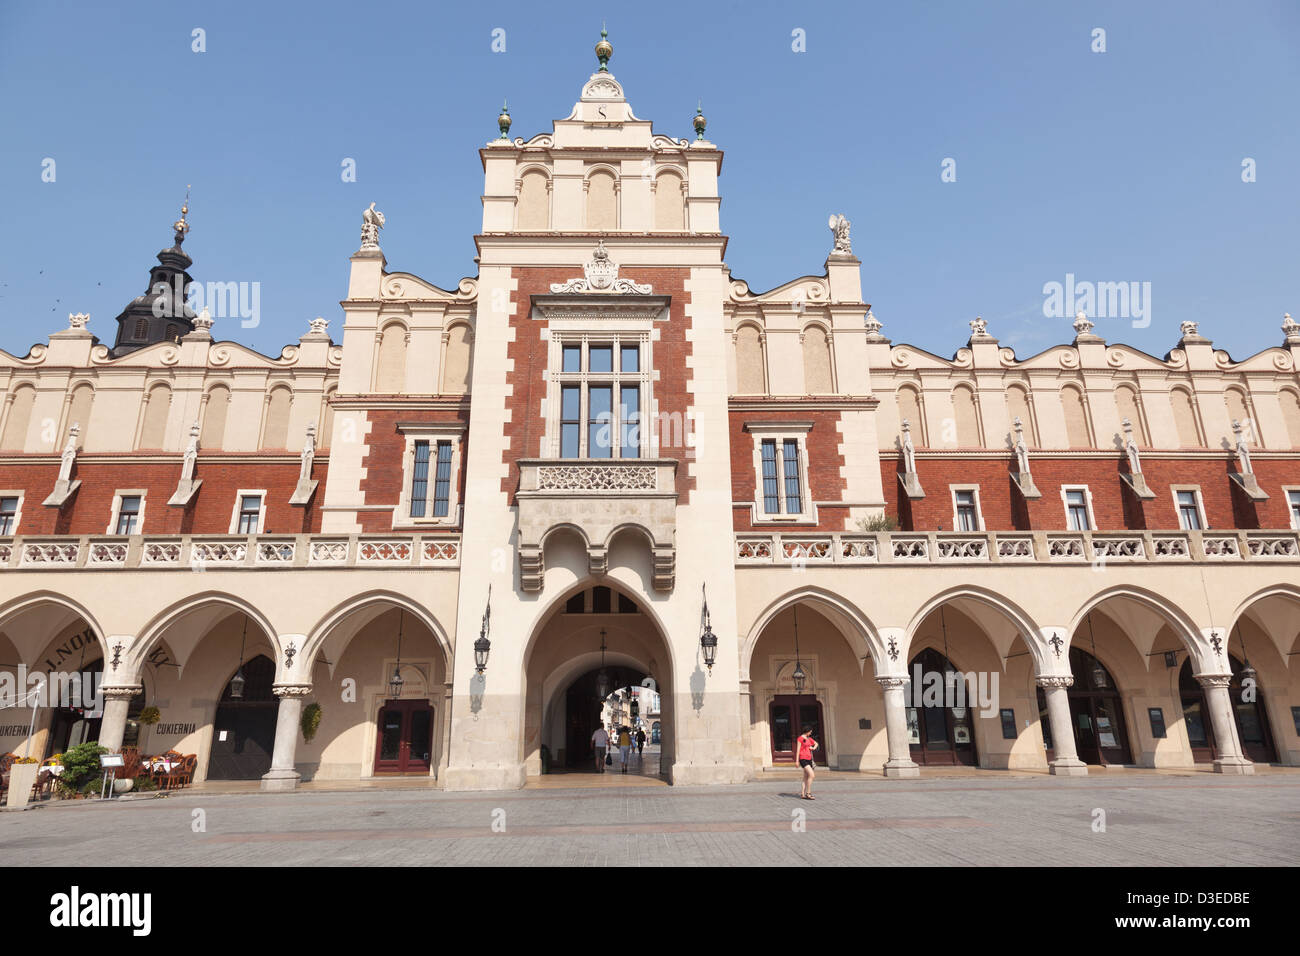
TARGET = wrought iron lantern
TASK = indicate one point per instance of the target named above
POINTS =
(602, 677)
(237, 682)
(799, 676)
(395, 682)
(708, 640)
(483, 646)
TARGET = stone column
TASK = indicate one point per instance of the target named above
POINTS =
(445, 754)
(282, 775)
(1230, 759)
(117, 701)
(900, 763)
(746, 722)
(1067, 762)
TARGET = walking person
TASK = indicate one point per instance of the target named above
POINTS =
(640, 741)
(599, 741)
(624, 746)
(806, 747)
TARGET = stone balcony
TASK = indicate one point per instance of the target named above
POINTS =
(597, 498)
(227, 552)
(1016, 547)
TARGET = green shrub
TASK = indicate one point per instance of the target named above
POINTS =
(310, 723)
(145, 784)
(80, 767)
(150, 715)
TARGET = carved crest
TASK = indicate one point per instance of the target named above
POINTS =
(601, 275)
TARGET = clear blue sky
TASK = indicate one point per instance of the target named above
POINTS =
(1115, 166)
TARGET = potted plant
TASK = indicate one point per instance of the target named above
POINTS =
(311, 715)
(22, 777)
(150, 715)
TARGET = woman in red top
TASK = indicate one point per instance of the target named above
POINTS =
(806, 746)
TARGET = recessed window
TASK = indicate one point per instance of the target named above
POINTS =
(1189, 511)
(128, 515)
(1076, 509)
(1293, 499)
(603, 391)
(250, 512)
(8, 515)
(782, 488)
(965, 510)
(441, 479)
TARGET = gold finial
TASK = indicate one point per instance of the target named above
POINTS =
(604, 49)
(182, 225)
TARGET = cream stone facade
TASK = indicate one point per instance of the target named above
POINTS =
(603, 451)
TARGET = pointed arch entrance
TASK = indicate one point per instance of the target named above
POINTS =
(1248, 712)
(243, 736)
(940, 725)
(1096, 714)
(563, 704)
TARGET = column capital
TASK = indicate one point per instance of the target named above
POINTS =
(891, 680)
(291, 690)
(120, 691)
(1214, 680)
(1055, 680)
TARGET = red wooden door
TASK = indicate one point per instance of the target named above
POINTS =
(404, 737)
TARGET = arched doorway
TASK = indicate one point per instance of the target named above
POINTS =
(940, 725)
(75, 721)
(243, 733)
(595, 628)
(1096, 714)
(1250, 715)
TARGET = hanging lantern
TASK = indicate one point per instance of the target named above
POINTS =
(237, 682)
(708, 640)
(602, 678)
(395, 682)
(483, 646)
(1099, 678)
(799, 677)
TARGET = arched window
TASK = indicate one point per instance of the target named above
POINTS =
(817, 379)
(20, 417)
(670, 210)
(911, 411)
(156, 409)
(750, 377)
(602, 202)
(1239, 411)
(1077, 434)
(1126, 403)
(390, 370)
(83, 397)
(456, 363)
(327, 421)
(966, 417)
(1018, 407)
(214, 418)
(534, 201)
(276, 432)
(1189, 436)
(1290, 414)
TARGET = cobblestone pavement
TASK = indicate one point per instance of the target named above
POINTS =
(1150, 820)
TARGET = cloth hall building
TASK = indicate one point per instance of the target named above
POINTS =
(605, 461)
